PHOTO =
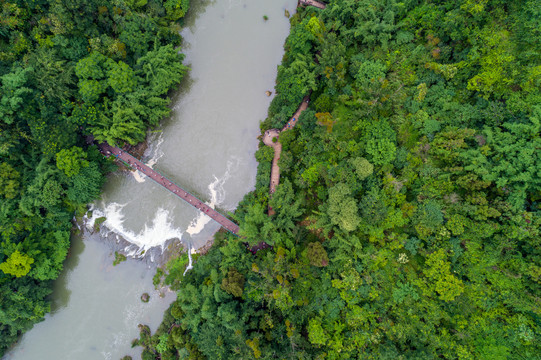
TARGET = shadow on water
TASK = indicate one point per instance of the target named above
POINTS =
(60, 287)
(175, 95)
(183, 89)
(196, 9)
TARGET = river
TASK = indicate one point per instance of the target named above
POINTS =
(207, 146)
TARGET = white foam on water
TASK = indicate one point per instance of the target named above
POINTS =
(161, 227)
(190, 265)
(217, 196)
(89, 221)
(154, 150)
(132, 251)
(199, 222)
(138, 176)
(160, 230)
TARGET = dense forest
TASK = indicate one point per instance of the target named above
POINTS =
(69, 69)
(408, 212)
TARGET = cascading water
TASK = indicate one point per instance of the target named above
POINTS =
(155, 234)
(217, 194)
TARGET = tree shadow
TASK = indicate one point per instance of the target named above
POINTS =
(61, 294)
(176, 95)
(196, 9)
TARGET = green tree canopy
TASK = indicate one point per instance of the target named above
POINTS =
(17, 264)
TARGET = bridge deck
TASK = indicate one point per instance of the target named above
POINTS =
(227, 224)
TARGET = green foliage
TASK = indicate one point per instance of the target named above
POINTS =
(9, 181)
(176, 268)
(157, 279)
(161, 69)
(446, 285)
(342, 208)
(380, 143)
(316, 334)
(405, 293)
(120, 77)
(363, 168)
(517, 166)
(257, 225)
(317, 256)
(315, 26)
(370, 72)
(138, 33)
(91, 67)
(286, 205)
(86, 185)
(119, 258)
(233, 283)
(13, 93)
(428, 218)
(17, 264)
(98, 222)
(406, 226)
(495, 59)
(162, 346)
(90, 90)
(176, 9)
(71, 161)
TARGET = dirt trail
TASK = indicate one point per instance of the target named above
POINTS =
(269, 140)
(313, 3)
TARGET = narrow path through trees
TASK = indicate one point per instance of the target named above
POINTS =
(271, 138)
(313, 3)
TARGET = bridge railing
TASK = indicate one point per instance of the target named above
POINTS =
(171, 181)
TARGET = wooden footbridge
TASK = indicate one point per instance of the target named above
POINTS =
(134, 163)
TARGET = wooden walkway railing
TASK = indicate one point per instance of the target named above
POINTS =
(227, 224)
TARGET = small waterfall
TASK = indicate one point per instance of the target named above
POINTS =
(217, 197)
(154, 150)
(190, 266)
(160, 230)
(154, 153)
